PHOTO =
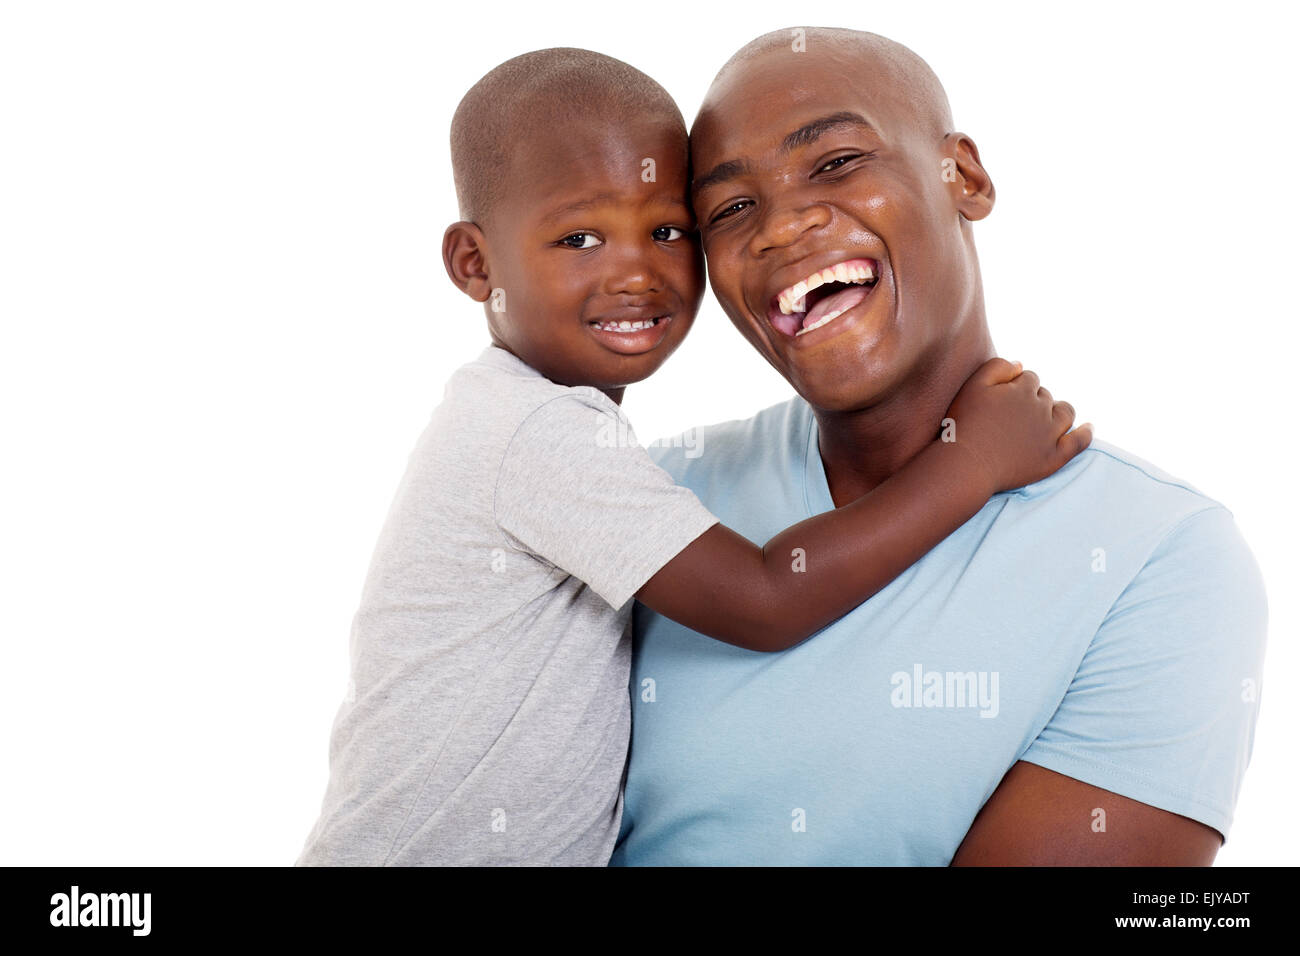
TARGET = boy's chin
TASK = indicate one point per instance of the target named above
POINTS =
(616, 370)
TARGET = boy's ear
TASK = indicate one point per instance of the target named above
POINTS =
(962, 166)
(464, 253)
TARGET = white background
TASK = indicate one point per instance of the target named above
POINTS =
(225, 321)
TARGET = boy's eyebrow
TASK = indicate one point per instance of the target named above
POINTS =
(805, 134)
(599, 199)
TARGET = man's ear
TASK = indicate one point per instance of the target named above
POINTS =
(464, 253)
(962, 157)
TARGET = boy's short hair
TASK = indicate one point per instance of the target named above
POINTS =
(533, 93)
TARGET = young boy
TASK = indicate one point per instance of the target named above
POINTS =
(488, 716)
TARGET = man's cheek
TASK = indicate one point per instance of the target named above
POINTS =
(723, 275)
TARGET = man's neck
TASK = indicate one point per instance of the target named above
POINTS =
(863, 447)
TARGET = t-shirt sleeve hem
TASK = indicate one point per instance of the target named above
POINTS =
(666, 548)
(1098, 773)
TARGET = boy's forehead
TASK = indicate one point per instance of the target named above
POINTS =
(595, 161)
(610, 150)
(607, 133)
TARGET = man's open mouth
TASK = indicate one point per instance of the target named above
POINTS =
(822, 296)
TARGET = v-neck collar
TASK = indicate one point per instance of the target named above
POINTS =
(816, 489)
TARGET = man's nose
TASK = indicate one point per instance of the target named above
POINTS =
(786, 225)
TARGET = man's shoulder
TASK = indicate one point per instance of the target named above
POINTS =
(714, 449)
(1103, 475)
(1110, 484)
(1117, 462)
(1162, 529)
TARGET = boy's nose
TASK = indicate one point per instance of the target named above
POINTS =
(633, 279)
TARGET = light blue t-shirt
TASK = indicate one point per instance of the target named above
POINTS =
(1107, 623)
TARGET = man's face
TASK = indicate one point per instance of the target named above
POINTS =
(803, 163)
(600, 266)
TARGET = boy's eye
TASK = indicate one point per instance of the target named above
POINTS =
(668, 233)
(579, 241)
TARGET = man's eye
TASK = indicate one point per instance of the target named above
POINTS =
(835, 163)
(668, 233)
(579, 241)
(730, 210)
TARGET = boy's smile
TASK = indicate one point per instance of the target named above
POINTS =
(835, 241)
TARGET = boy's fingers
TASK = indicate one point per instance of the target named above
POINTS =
(1028, 379)
(1063, 414)
(996, 370)
(1076, 441)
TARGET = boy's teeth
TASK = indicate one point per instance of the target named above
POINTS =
(625, 326)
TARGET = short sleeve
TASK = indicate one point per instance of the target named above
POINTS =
(1163, 706)
(576, 489)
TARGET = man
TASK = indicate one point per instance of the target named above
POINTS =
(1070, 678)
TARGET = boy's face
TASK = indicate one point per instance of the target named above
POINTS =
(591, 235)
(805, 161)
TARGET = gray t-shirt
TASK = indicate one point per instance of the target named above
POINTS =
(487, 719)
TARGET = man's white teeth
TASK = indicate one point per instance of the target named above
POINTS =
(820, 322)
(625, 326)
(792, 299)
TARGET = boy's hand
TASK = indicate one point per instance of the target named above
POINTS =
(1010, 426)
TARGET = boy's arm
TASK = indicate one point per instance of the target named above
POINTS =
(770, 598)
(773, 597)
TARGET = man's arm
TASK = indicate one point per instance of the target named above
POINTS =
(1038, 817)
(1162, 708)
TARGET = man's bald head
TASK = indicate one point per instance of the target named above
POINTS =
(543, 93)
(892, 67)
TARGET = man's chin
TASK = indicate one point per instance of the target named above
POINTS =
(852, 371)
(840, 397)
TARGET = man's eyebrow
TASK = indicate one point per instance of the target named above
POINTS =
(720, 173)
(809, 132)
(804, 135)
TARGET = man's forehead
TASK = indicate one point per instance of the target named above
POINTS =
(758, 99)
(781, 127)
(768, 99)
